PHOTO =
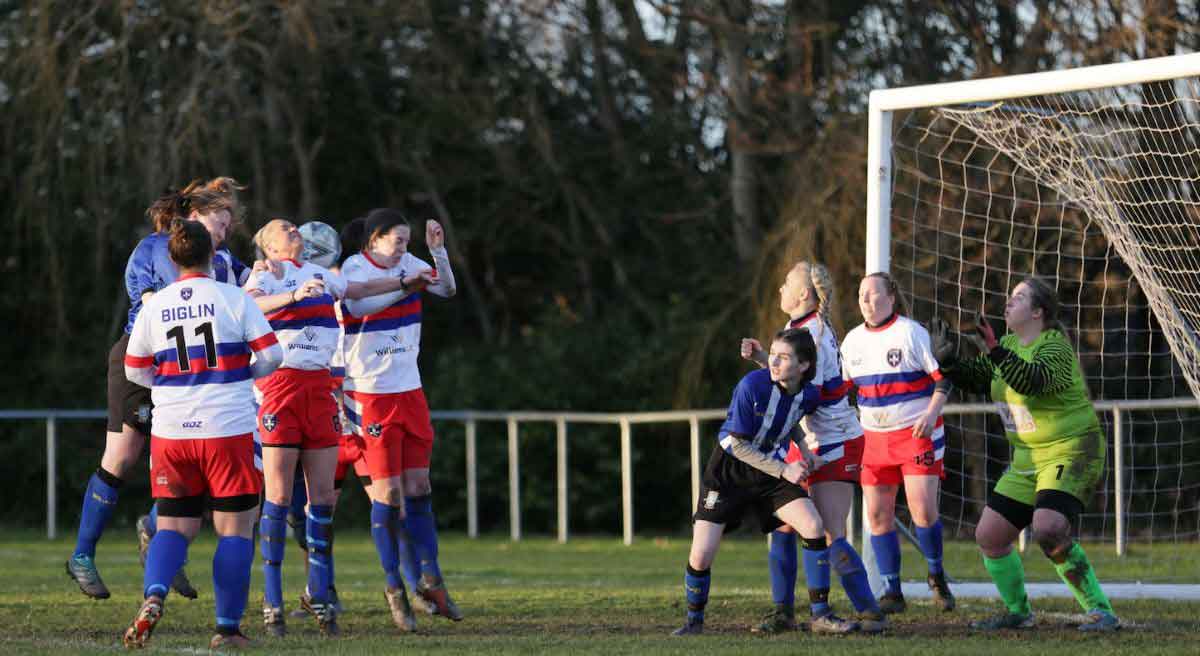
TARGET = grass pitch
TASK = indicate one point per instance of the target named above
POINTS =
(592, 595)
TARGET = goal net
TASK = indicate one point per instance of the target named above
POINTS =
(1096, 191)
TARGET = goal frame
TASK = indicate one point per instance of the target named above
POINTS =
(884, 103)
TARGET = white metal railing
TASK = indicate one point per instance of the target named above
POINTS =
(625, 422)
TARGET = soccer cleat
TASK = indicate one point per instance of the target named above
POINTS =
(144, 537)
(1100, 621)
(780, 620)
(402, 613)
(693, 627)
(831, 624)
(325, 615)
(892, 603)
(942, 595)
(435, 595)
(872, 621)
(143, 624)
(333, 599)
(421, 606)
(274, 622)
(183, 585)
(236, 640)
(1005, 620)
(82, 570)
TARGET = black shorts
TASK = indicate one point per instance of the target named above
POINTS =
(731, 489)
(128, 402)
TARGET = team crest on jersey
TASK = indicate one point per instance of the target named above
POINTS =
(309, 333)
(186, 293)
(269, 422)
(375, 430)
(893, 357)
(318, 276)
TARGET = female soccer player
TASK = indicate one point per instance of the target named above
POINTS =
(386, 405)
(833, 433)
(1035, 380)
(192, 347)
(901, 392)
(149, 269)
(746, 473)
(298, 418)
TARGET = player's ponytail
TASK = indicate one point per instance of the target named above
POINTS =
(821, 282)
(353, 236)
(166, 208)
(190, 245)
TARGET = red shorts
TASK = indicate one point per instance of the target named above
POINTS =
(396, 431)
(219, 467)
(842, 461)
(298, 410)
(889, 457)
(350, 454)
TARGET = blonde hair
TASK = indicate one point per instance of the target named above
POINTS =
(821, 283)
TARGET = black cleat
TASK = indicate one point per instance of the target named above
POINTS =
(893, 603)
(693, 627)
(942, 596)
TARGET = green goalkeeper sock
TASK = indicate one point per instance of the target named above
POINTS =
(1078, 574)
(1009, 576)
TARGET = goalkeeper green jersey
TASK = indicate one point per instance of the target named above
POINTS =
(1038, 389)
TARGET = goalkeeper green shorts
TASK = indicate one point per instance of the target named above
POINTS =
(1071, 466)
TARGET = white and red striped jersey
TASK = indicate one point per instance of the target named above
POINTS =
(833, 422)
(308, 330)
(894, 370)
(192, 342)
(382, 334)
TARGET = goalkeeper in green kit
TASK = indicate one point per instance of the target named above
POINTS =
(1033, 376)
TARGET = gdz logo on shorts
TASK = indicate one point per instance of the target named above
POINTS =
(893, 357)
(375, 430)
(269, 422)
(143, 413)
(337, 424)
(712, 499)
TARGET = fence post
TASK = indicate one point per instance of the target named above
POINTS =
(514, 482)
(627, 480)
(1119, 476)
(51, 477)
(561, 425)
(694, 424)
(472, 490)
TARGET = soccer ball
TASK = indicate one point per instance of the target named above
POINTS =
(322, 245)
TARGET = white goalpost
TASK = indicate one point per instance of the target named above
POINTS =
(1090, 179)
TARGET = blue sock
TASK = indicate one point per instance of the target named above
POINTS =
(272, 541)
(887, 558)
(695, 587)
(782, 564)
(168, 551)
(98, 503)
(152, 519)
(849, 566)
(422, 535)
(231, 580)
(299, 498)
(816, 573)
(930, 539)
(319, 527)
(384, 520)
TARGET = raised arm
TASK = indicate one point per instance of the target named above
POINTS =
(443, 285)
(1050, 370)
